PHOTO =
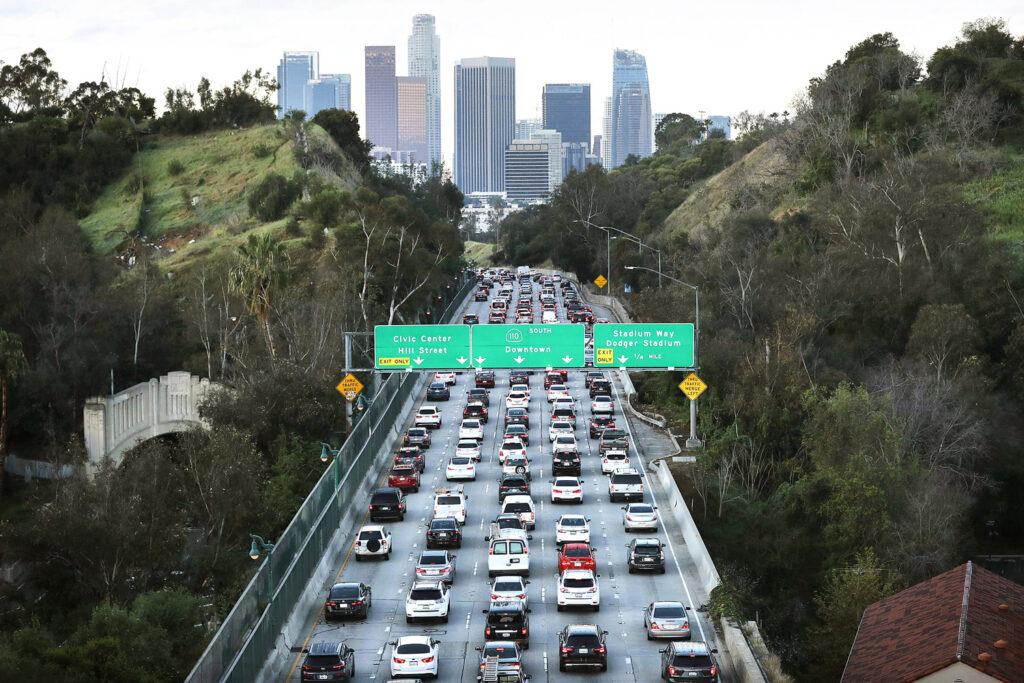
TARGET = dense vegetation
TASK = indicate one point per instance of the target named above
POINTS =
(120, 575)
(861, 330)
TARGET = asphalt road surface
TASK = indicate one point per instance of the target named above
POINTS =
(631, 657)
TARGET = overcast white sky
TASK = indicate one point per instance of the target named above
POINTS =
(720, 58)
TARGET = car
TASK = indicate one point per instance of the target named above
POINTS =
(513, 485)
(404, 477)
(517, 416)
(517, 464)
(482, 295)
(438, 391)
(461, 468)
(436, 565)
(523, 506)
(560, 428)
(689, 661)
(564, 443)
(569, 528)
(508, 556)
(471, 429)
(614, 460)
(496, 318)
(348, 599)
(485, 378)
(576, 556)
(329, 661)
(556, 391)
(507, 525)
(524, 320)
(510, 588)
(564, 412)
(447, 376)
(552, 377)
(666, 619)
(450, 501)
(590, 376)
(578, 588)
(517, 431)
(471, 318)
(428, 416)
(640, 517)
(613, 434)
(508, 620)
(417, 436)
(599, 423)
(468, 448)
(645, 554)
(520, 387)
(410, 457)
(566, 464)
(476, 410)
(428, 600)
(625, 484)
(600, 387)
(519, 377)
(602, 405)
(507, 657)
(566, 490)
(387, 503)
(373, 541)
(606, 446)
(582, 645)
(563, 402)
(443, 532)
(517, 399)
(415, 656)
(479, 395)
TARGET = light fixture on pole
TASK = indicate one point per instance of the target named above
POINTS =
(254, 553)
(326, 452)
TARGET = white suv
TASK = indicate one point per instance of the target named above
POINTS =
(373, 540)
(428, 600)
(471, 429)
(517, 399)
(428, 416)
(450, 501)
(560, 428)
(578, 587)
(556, 390)
(572, 529)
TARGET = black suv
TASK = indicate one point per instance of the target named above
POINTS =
(582, 645)
(444, 532)
(334, 661)
(438, 391)
(412, 454)
(518, 377)
(485, 379)
(599, 423)
(689, 661)
(348, 599)
(600, 387)
(387, 503)
(645, 554)
(480, 395)
(507, 620)
(513, 484)
(470, 319)
(475, 410)
(566, 464)
(517, 416)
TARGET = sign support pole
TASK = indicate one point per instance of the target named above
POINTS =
(693, 441)
(348, 369)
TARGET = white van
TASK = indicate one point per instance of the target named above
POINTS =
(549, 318)
(508, 556)
(520, 505)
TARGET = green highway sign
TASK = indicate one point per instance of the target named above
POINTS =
(528, 346)
(647, 345)
(421, 347)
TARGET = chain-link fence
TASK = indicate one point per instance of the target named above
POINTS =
(240, 647)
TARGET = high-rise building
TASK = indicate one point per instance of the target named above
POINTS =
(567, 110)
(574, 156)
(658, 116)
(330, 91)
(425, 62)
(606, 134)
(596, 151)
(553, 139)
(527, 174)
(630, 107)
(526, 127)
(412, 118)
(295, 69)
(381, 96)
(485, 121)
(722, 123)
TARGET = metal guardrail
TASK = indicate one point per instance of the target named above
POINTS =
(239, 648)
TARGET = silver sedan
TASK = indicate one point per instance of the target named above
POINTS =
(640, 516)
(666, 620)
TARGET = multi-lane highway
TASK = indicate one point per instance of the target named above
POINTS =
(623, 595)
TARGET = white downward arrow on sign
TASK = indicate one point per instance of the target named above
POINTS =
(461, 359)
(623, 359)
(480, 360)
(417, 361)
(567, 359)
(519, 359)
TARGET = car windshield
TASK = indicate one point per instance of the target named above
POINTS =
(417, 431)
(370, 535)
(517, 507)
(566, 482)
(461, 461)
(517, 411)
(471, 424)
(641, 509)
(413, 649)
(692, 661)
(433, 559)
(565, 440)
(425, 594)
(627, 479)
(448, 500)
(557, 387)
(500, 651)
(402, 472)
(507, 586)
(577, 552)
(615, 455)
(320, 661)
(573, 521)
(669, 612)
(437, 385)
(515, 462)
(583, 640)
(468, 444)
(512, 446)
(510, 523)
(504, 618)
(582, 582)
(561, 426)
(345, 592)
(647, 549)
(446, 523)
(428, 411)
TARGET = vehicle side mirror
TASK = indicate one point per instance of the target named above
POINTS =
(530, 610)
(714, 650)
(487, 538)
(305, 650)
(526, 583)
(529, 537)
(663, 650)
(655, 507)
(485, 611)
(604, 633)
(688, 607)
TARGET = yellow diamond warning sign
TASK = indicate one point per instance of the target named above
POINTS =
(350, 387)
(600, 281)
(693, 386)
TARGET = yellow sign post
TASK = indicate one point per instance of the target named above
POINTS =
(600, 281)
(693, 386)
(350, 387)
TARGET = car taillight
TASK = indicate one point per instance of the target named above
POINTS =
(490, 551)
(523, 597)
(307, 667)
(628, 518)
(671, 671)
(714, 670)
(654, 625)
(371, 507)
(358, 602)
(591, 590)
(686, 626)
(577, 491)
(339, 666)
(493, 596)
(488, 631)
(330, 604)
(523, 631)
(399, 661)
(446, 570)
(566, 650)
(599, 649)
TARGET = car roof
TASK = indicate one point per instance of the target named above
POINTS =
(346, 584)
(577, 574)
(666, 603)
(372, 527)
(647, 541)
(325, 648)
(406, 640)
(435, 553)
(582, 628)
(517, 498)
(575, 546)
(426, 583)
(694, 647)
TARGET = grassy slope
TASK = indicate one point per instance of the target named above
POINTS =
(480, 252)
(1001, 197)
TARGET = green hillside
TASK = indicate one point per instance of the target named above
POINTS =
(480, 252)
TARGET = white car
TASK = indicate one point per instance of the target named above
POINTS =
(468, 448)
(428, 416)
(415, 656)
(572, 529)
(510, 588)
(513, 448)
(450, 501)
(446, 377)
(556, 390)
(471, 429)
(373, 540)
(523, 388)
(460, 468)
(578, 587)
(521, 505)
(640, 516)
(614, 460)
(508, 556)
(565, 443)
(517, 399)
(516, 465)
(428, 600)
(560, 428)
(602, 405)
(567, 490)
(564, 402)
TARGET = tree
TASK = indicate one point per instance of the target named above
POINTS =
(944, 335)
(12, 365)
(31, 85)
(343, 127)
(260, 269)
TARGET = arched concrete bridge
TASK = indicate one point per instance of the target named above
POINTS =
(113, 424)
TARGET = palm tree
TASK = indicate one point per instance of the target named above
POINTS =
(12, 365)
(259, 270)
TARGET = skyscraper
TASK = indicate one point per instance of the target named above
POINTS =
(567, 110)
(330, 91)
(722, 123)
(412, 118)
(381, 96)
(553, 139)
(630, 108)
(526, 127)
(606, 135)
(425, 62)
(526, 170)
(485, 121)
(292, 73)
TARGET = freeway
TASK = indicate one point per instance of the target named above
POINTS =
(631, 656)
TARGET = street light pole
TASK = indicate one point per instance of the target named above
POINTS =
(254, 553)
(325, 452)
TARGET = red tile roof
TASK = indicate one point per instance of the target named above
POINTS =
(952, 617)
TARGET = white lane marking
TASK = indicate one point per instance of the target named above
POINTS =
(543, 596)
(545, 661)
(469, 616)
(475, 568)
(380, 652)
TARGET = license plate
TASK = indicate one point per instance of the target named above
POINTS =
(322, 677)
(385, 507)
(647, 559)
(344, 604)
(442, 535)
(577, 564)
(514, 560)
(584, 650)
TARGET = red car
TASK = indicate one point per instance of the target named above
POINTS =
(485, 379)
(405, 478)
(552, 378)
(576, 556)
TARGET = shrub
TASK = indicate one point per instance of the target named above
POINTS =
(292, 227)
(175, 167)
(272, 196)
(317, 239)
(261, 150)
